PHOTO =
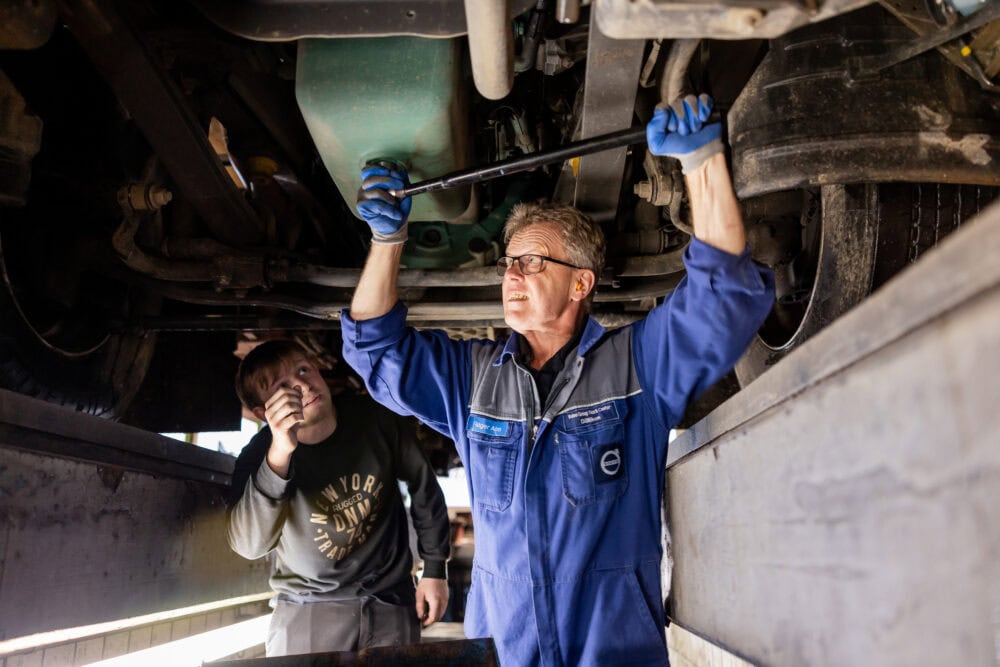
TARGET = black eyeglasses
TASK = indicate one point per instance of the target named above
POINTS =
(528, 264)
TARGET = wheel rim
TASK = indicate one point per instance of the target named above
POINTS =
(795, 280)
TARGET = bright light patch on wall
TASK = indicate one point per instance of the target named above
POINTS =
(53, 637)
(227, 442)
(455, 488)
(193, 650)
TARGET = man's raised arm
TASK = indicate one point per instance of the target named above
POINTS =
(715, 214)
(377, 292)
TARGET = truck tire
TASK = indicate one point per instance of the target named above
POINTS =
(96, 373)
(866, 234)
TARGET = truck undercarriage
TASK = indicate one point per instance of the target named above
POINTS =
(175, 176)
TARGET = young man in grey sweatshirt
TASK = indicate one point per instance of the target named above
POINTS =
(318, 489)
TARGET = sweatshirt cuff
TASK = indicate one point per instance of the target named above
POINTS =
(269, 483)
(435, 569)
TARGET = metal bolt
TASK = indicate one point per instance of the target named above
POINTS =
(644, 190)
(141, 197)
(158, 197)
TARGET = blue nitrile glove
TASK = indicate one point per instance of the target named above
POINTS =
(384, 213)
(679, 132)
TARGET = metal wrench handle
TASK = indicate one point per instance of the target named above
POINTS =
(634, 135)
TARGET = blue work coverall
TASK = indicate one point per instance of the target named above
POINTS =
(566, 496)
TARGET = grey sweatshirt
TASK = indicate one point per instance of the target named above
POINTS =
(337, 526)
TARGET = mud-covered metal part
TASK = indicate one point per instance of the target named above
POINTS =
(533, 33)
(732, 19)
(985, 48)
(870, 66)
(665, 184)
(206, 261)
(564, 52)
(330, 306)
(608, 103)
(186, 271)
(218, 322)
(962, 53)
(20, 141)
(523, 138)
(491, 47)
(662, 186)
(663, 264)
(26, 24)
(645, 242)
(942, 11)
(289, 20)
(283, 271)
(675, 69)
(979, 74)
(143, 197)
(801, 122)
(775, 223)
(160, 110)
(280, 271)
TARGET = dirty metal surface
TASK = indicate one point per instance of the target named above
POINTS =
(460, 653)
(288, 20)
(85, 543)
(801, 121)
(161, 111)
(761, 19)
(33, 425)
(842, 508)
(608, 105)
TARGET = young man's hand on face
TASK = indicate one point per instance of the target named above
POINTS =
(283, 413)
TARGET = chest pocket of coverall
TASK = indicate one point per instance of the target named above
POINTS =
(493, 465)
(593, 464)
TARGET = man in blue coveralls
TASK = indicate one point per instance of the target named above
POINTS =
(563, 427)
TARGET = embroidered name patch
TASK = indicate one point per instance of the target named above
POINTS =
(487, 426)
(586, 418)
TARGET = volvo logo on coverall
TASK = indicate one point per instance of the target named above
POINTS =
(609, 462)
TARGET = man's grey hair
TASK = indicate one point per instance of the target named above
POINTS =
(582, 238)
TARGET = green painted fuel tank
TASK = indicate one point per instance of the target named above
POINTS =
(401, 98)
